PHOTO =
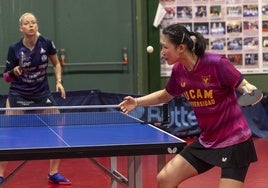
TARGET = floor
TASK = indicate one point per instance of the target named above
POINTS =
(84, 174)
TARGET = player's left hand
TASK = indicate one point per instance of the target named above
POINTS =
(128, 104)
(60, 88)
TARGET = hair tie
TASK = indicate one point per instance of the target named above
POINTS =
(183, 36)
(191, 33)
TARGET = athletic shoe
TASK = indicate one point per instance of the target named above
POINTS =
(58, 179)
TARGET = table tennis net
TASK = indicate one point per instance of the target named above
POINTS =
(73, 115)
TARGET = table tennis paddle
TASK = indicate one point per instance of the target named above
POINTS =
(248, 99)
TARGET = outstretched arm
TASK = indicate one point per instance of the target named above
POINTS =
(129, 103)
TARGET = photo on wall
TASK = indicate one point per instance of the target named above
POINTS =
(237, 29)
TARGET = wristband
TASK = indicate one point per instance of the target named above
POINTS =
(9, 76)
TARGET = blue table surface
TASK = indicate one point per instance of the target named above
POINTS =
(77, 130)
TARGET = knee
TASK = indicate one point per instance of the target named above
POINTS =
(163, 181)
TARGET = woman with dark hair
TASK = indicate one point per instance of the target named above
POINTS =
(208, 81)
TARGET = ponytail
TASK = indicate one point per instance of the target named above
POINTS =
(199, 47)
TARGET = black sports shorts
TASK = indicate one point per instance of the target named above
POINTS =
(233, 160)
(43, 99)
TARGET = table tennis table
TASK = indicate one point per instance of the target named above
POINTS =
(85, 135)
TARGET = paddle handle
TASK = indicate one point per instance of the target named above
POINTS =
(244, 90)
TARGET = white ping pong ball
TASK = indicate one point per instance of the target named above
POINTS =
(150, 49)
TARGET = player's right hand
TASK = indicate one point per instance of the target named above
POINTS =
(128, 104)
(17, 71)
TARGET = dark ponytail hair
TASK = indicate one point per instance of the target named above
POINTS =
(178, 34)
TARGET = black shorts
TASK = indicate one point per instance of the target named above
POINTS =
(234, 160)
(43, 99)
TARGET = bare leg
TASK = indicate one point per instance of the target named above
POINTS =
(230, 183)
(8, 112)
(3, 164)
(176, 171)
(2, 168)
(54, 166)
(54, 163)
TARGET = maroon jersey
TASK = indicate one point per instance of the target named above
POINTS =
(210, 90)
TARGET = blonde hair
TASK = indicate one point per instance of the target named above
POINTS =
(25, 14)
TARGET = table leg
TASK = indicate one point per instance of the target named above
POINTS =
(113, 166)
(134, 172)
(161, 162)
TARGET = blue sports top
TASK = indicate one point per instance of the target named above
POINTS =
(34, 65)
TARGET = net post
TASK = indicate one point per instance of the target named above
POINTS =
(166, 116)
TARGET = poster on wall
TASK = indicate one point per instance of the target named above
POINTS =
(237, 29)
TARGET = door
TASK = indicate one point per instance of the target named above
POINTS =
(89, 34)
(93, 35)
